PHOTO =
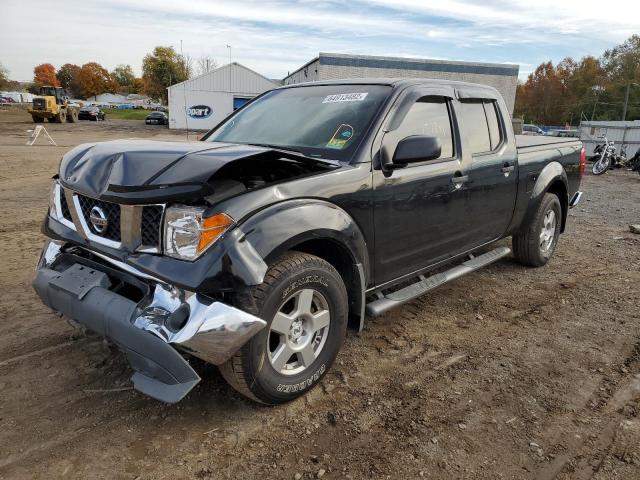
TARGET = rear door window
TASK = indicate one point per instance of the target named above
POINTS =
(474, 127)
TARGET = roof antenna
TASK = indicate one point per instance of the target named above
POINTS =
(184, 90)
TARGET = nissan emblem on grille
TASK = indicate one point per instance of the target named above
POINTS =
(98, 219)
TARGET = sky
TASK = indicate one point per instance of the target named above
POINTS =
(277, 37)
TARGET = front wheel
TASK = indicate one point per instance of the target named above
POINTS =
(538, 239)
(304, 302)
(601, 166)
(72, 115)
(61, 117)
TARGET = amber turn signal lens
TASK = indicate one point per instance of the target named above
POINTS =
(212, 228)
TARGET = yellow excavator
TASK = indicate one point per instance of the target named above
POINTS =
(53, 104)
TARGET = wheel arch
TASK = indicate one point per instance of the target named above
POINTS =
(552, 179)
(319, 228)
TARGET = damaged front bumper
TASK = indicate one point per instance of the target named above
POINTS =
(151, 326)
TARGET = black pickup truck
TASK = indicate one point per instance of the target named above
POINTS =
(304, 212)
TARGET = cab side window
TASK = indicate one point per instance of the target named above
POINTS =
(480, 125)
(428, 116)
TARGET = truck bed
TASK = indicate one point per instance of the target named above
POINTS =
(528, 141)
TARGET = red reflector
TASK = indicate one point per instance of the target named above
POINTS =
(583, 160)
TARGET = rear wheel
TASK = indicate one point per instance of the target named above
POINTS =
(535, 245)
(304, 302)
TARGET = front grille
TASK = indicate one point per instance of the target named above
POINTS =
(109, 211)
(150, 228)
(143, 234)
(64, 207)
(38, 103)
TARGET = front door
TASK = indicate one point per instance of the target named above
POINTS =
(417, 209)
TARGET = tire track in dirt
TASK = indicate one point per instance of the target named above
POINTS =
(585, 460)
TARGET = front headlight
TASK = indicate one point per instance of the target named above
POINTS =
(187, 233)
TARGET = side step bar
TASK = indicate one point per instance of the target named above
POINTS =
(425, 284)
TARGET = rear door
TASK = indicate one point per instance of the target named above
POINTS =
(491, 166)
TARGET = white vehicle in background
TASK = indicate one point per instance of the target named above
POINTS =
(530, 129)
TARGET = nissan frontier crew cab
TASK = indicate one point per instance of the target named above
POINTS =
(307, 210)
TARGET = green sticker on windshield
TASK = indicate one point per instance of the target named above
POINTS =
(341, 137)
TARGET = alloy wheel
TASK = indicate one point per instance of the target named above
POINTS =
(298, 332)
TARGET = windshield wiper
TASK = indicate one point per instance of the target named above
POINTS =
(293, 150)
(277, 147)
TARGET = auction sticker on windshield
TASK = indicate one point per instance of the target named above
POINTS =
(345, 97)
(341, 137)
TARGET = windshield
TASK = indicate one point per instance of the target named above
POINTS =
(321, 121)
(47, 91)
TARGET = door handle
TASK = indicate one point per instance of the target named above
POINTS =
(458, 180)
(507, 169)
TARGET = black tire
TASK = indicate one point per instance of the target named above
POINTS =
(599, 167)
(72, 115)
(52, 119)
(37, 119)
(62, 116)
(250, 370)
(527, 245)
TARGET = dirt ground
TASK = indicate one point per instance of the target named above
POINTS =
(509, 372)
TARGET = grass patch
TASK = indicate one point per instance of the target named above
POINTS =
(123, 114)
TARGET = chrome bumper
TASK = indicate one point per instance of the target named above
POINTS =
(166, 320)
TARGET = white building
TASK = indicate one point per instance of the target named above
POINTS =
(202, 102)
(108, 99)
(625, 134)
(18, 97)
(329, 66)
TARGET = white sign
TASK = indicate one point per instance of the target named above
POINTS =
(35, 133)
(345, 97)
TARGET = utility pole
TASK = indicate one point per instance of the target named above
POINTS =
(626, 102)
(229, 47)
(184, 90)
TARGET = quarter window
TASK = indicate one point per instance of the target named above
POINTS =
(494, 124)
(428, 116)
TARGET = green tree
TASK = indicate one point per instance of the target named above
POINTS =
(162, 68)
(68, 77)
(5, 82)
(125, 78)
(622, 65)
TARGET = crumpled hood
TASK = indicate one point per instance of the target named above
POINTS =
(139, 167)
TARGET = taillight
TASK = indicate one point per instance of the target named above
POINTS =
(583, 160)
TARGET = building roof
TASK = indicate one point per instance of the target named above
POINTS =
(404, 63)
(396, 82)
(222, 73)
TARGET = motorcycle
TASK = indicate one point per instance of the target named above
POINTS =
(605, 158)
(607, 154)
(634, 162)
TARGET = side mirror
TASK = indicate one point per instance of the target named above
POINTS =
(416, 148)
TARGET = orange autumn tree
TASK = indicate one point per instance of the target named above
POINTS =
(45, 74)
(93, 79)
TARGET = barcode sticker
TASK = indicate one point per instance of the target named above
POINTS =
(345, 97)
